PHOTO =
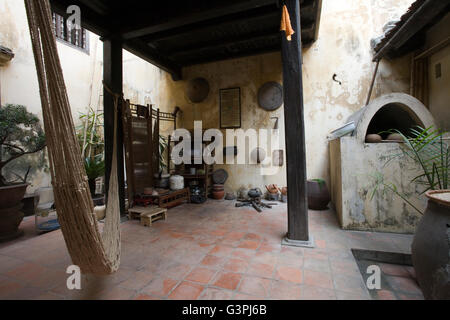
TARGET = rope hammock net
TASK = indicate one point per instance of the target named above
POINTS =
(93, 251)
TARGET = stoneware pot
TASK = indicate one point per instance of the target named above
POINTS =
(431, 247)
(318, 195)
(10, 211)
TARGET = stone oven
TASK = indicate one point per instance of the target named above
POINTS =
(354, 163)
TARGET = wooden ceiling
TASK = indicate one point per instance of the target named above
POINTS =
(174, 34)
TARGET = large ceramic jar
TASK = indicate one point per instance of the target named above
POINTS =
(431, 247)
(10, 211)
(318, 195)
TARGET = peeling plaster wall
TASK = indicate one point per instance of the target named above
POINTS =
(343, 48)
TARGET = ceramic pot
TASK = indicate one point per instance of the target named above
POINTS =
(10, 211)
(318, 195)
(431, 247)
(255, 193)
(92, 186)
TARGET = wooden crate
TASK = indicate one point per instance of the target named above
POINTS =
(174, 198)
(140, 212)
(147, 219)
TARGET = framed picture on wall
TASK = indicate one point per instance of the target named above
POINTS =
(230, 108)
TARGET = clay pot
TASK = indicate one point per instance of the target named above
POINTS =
(218, 191)
(431, 247)
(10, 214)
(255, 193)
(272, 188)
(318, 195)
(373, 138)
(395, 137)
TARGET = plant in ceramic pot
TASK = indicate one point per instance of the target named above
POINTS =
(20, 134)
(431, 244)
(95, 168)
(318, 194)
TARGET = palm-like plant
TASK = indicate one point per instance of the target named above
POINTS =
(427, 148)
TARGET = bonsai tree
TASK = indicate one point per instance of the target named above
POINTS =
(20, 134)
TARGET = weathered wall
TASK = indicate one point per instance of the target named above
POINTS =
(439, 87)
(83, 73)
(248, 74)
(343, 48)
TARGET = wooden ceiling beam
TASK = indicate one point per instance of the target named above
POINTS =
(142, 50)
(224, 43)
(160, 24)
(265, 13)
(229, 56)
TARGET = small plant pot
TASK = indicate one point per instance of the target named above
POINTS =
(318, 195)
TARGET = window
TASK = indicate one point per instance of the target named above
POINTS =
(76, 37)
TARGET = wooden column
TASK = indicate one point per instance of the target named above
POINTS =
(112, 77)
(291, 51)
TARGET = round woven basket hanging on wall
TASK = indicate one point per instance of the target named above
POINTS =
(270, 96)
(197, 90)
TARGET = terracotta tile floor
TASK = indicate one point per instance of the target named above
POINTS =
(210, 251)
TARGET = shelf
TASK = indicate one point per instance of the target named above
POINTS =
(195, 176)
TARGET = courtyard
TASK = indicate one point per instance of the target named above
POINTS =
(210, 251)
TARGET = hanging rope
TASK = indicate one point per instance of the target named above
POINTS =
(94, 252)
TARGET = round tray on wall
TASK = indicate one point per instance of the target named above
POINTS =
(197, 90)
(270, 96)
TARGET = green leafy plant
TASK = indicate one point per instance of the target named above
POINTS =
(90, 133)
(427, 148)
(321, 182)
(94, 166)
(20, 134)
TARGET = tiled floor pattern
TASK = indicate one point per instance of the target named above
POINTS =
(209, 251)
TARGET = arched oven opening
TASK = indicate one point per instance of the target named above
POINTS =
(393, 116)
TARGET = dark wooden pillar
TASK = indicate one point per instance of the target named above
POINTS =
(295, 132)
(112, 77)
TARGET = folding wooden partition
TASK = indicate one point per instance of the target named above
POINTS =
(138, 142)
(141, 142)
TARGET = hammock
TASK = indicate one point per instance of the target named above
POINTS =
(94, 252)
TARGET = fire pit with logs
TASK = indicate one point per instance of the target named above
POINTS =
(255, 201)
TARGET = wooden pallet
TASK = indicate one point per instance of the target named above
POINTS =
(147, 215)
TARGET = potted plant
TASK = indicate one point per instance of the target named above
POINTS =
(318, 194)
(95, 168)
(431, 245)
(20, 134)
